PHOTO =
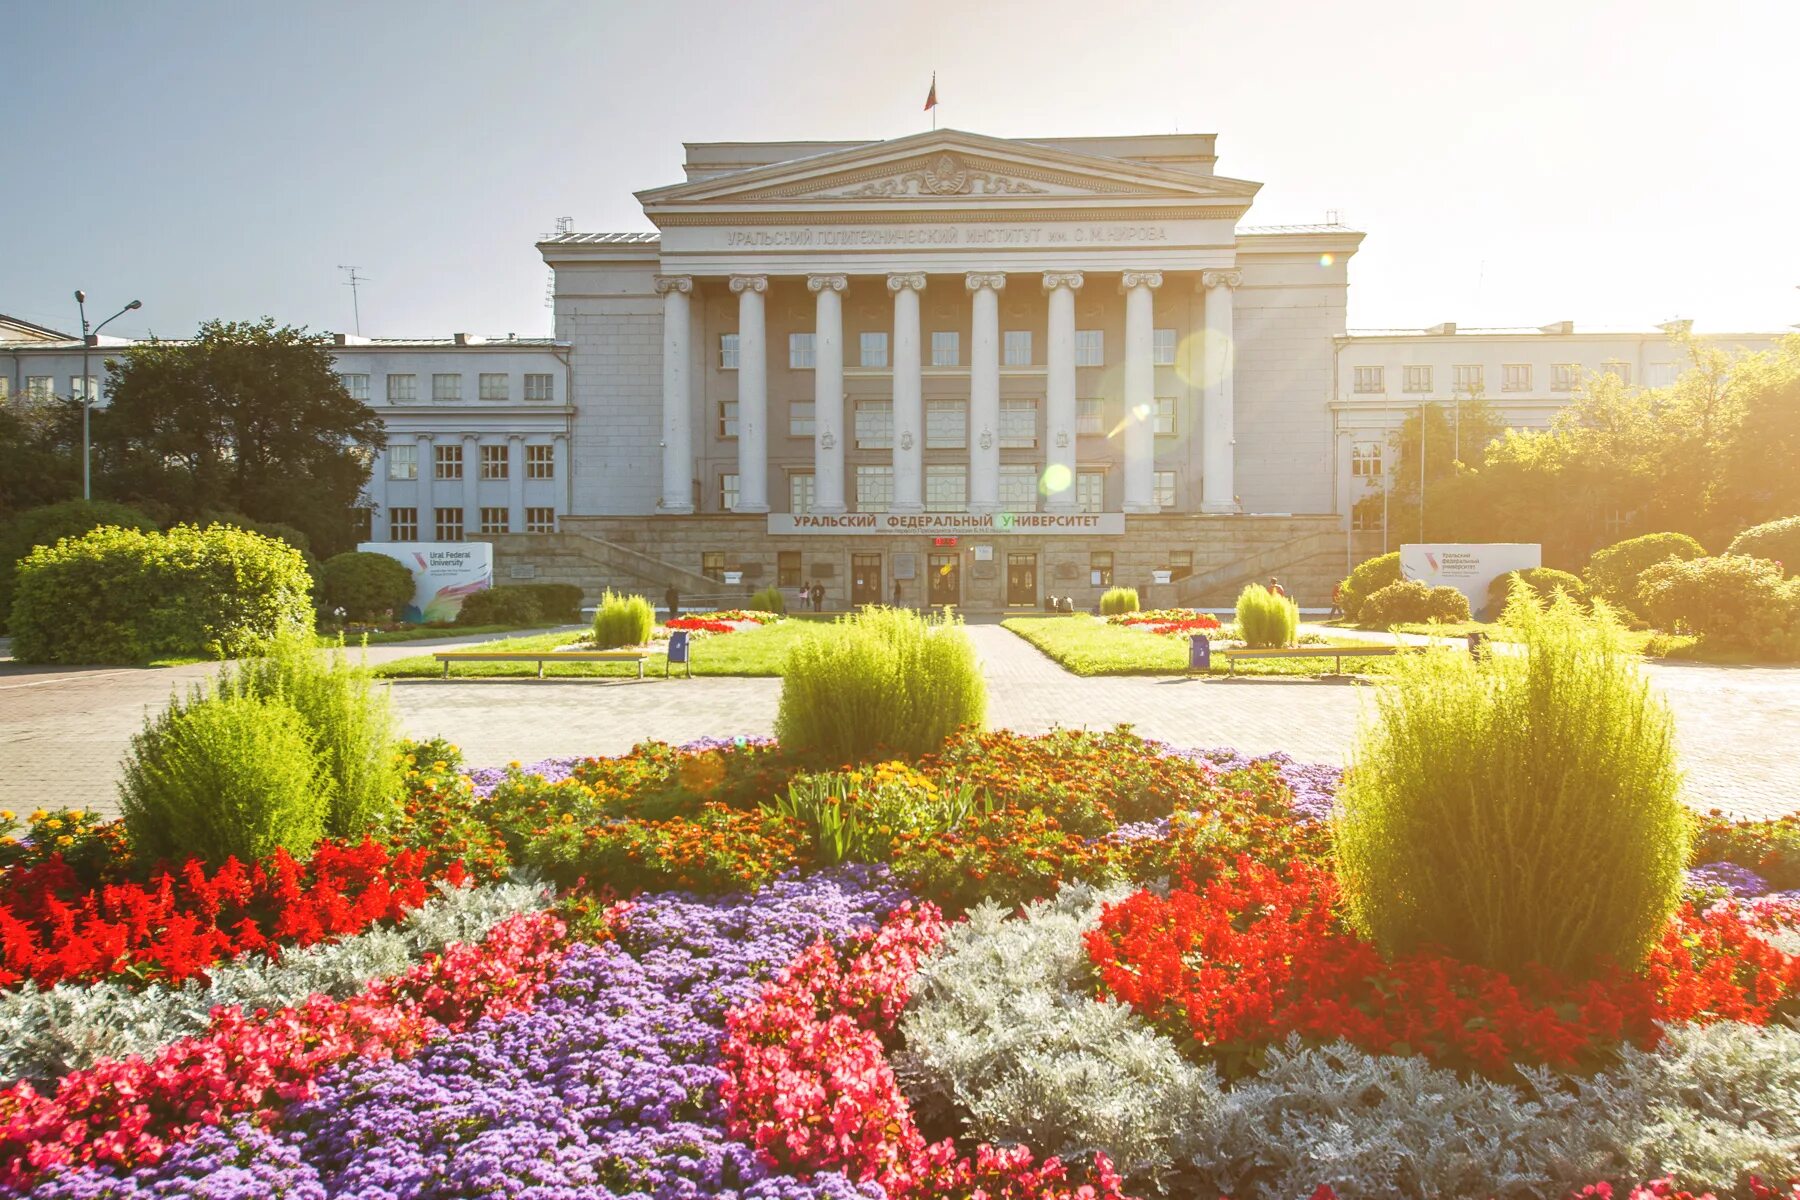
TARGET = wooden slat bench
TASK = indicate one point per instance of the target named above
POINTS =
(541, 657)
(1340, 653)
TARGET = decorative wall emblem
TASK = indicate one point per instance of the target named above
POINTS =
(1062, 439)
(906, 441)
(945, 175)
(826, 441)
(987, 439)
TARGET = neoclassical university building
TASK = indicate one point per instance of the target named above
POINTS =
(945, 368)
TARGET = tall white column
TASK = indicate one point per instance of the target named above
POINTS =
(1140, 389)
(515, 483)
(423, 498)
(984, 390)
(678, 401)
(753, 394)
(376, 498)
(471, 494)
(559, 467)
(1059, 393)
(1218, 487)
(909, 403)
(828, 392)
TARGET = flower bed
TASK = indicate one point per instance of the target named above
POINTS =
(1173, 622)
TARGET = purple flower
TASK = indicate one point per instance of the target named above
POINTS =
(1739, 880)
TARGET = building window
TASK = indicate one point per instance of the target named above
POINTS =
(1018, 487)
(874, 489)
(448, 460)
(1516, 377)
(402, 389)
(803, 492)
(1466, 378)
(728, 351)
(1365, 460)
(728, 418)
(729, 492)
(449, 524)
(357, 386)
(540, 462)
(1370, 379)
(540, 520)
(1418, 379)
(801, 419)
(1661, 375)
(1165, 489)
(1618, 370)
(1100, 568)
(801, 354)
(946, 348)
(874, 424)
(1090, 416)
(1018, 423)
(495, 520)
(946, 425)
(1090, 491)
(1365, 514)
(493, 462)
(1165, 416)
(446, 388)
(403, 462)
(787, 568)
(874, 347)
(1016, 348)
(712, 565)
(403, 524)
(1162, 348)
(40, 387)
(540, 387)
(1564, 377)
(494, 385)
(5, 389)
(946, 487)
(1090, 347)
(1181, 565)
(362, 522)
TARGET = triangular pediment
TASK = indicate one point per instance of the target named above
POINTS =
(949, 166)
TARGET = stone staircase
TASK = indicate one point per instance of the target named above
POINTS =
(595, 564)
(1307, 566)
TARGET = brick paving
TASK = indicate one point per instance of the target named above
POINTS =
(62, 732)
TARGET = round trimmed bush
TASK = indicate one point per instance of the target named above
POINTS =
(1778, 541)
(623, 621)
(1118, 600)
(1521, 809)
(368, 587)
(1732, 600)
(769, 599)
(1369, 577)
(48, 525)
(1265, 619)
(1542, 580)
(559, 602)
(1413, 601)
(224, 777)
(1612, 572)
(500, 606)
(123, 595)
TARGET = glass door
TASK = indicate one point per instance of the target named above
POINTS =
(865, 579)
(1021, 580)
(945, 579)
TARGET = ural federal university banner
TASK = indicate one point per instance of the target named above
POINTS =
(443, 573)
(942, 524)
(1468, 567)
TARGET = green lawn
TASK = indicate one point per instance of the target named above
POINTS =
(758, 651)
(1086, 645)
(422, 633)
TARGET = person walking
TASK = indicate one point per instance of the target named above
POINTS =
(818, 596)
(1337, 601)
(896, 593)
(672, 602)
(1275, 586)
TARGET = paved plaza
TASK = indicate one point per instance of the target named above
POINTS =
(63, 731)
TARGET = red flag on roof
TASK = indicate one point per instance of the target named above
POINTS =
(931, 96)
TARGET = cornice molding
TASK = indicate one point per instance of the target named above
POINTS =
(931, 216)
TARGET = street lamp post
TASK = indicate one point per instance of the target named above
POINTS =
(87, 390)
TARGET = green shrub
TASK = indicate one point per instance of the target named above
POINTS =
(1522, 809)
(1612, 572)
(48, 525)
(368, 587)
(1265, 619)
(623, 621)
(122, 595)
(1778, 541)
(502, 605)
(1118, 600)
(769, 599)
(221, 777)
(885, 677)
(558, 602)
(1369, 577)
(1732, 600)
(853, 821)
(1542, 580)
(349, 721)
(1412, 601)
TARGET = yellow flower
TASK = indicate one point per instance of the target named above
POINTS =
(65, 840)
(9, 840)
(39, 814)
(53, 823)
(568, 818)
(438, 765)
(6, 814)
(75, 814)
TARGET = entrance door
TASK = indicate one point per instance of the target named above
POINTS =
(1021, 580)
(946, 579)
(865, 579)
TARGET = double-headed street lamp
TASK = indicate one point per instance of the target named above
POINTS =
(87, 385)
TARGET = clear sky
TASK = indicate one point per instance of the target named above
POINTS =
(1513, 162)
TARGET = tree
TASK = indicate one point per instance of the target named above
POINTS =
(1456, 433)
(246, 418)
(39, 447)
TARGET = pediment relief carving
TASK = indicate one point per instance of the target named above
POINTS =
(945, 173)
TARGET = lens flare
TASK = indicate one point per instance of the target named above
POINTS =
(1141, 412)
(1056, 478)
(1325, 260)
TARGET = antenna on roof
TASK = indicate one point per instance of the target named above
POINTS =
(1331, 216)
(355, 302)
(564, 225)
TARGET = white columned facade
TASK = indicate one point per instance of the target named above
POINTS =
(984, 390)
(1218, 487)
(1059, 391)
(828, 392)
(753, 394)
(559, 467)
(515, 483)
(677, 398)
(909, 402)
(1140, 389)
(427, 467)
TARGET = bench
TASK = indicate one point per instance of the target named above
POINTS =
(1340, 653)
(541, 657)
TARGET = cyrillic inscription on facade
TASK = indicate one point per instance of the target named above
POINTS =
(1071, 233)
(943, 523)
